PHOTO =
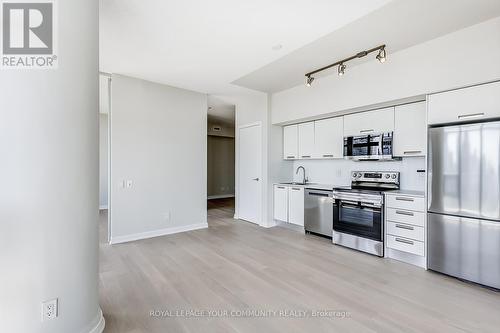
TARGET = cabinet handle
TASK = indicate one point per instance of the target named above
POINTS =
(402, 226)
(471, 115)
(400, 212)
(405, 241)
(290, 157)
(404, 199)
(413, 152)
(329, 155)
(295, 189)
(366, 131)
(306, 156)
(281, 187)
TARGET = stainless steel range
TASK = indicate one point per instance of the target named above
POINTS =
(358, 220)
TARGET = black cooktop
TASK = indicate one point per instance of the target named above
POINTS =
(364, 189)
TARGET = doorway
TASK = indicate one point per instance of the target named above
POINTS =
(220, 157)
(104, 155)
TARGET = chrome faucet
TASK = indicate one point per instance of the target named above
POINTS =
(304, 179)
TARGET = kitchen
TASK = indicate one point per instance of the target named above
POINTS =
(417, 181)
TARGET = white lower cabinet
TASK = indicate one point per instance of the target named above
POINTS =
(405, 228)
(296, 205)
(289, 204)
(281, 203)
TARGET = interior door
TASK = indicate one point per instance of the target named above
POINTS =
(250, 169)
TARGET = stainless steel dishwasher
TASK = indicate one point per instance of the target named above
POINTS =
(318, 212)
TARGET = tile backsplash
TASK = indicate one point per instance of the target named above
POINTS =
(338, 172)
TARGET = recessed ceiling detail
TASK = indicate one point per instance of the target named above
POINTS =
(399, 24)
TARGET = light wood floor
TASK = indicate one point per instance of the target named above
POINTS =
(234, 265)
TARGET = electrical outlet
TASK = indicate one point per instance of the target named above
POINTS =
(49, 310)
(129, 183)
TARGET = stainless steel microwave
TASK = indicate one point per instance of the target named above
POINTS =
(370, 147)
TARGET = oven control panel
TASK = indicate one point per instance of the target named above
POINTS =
(375, 176)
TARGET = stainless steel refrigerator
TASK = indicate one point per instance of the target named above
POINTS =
(464, 202)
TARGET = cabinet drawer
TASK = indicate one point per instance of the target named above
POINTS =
(406, 216)
(406, 202)
(405, 245)
(405, 231)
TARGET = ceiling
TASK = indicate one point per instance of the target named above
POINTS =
(399, 25)
(205, 45)
(224, 46)
(220, 111)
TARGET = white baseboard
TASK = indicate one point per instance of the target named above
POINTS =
(269, 225)
(103, 207)
(220, 196)
(99, 327)
(157, 233)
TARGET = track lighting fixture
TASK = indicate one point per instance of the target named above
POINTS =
(381, 57)
(309, 80)
(341, 69)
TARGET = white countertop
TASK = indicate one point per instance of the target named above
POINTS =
(310, 185)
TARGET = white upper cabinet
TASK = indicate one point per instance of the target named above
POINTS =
(410, 130)
(329, 138)
(306, 140)
(370, 122)
(290, 142)
(473, 103)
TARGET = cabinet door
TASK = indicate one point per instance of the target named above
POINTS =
(329, 138)
(296, 205)
(281, 203)
(370, 122)
(306, 140)
(410, 130)
(290, 142)
(473, 103)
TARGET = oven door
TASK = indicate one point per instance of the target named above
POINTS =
(358, 218)
(368, 147)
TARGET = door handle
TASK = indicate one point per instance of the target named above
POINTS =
(400, 212)
(472, 115)
(256, 179)
(404, 199)
(405, 241)
(407, 227)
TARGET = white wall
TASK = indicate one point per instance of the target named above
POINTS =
(338, 172)
(49, 195)
(159, 142)
(461, 58)
(103, 161)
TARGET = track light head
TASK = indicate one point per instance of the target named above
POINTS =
(381, 56)
(341, 69)
(309, 81)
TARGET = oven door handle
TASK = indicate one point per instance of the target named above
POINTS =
(361, 206)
